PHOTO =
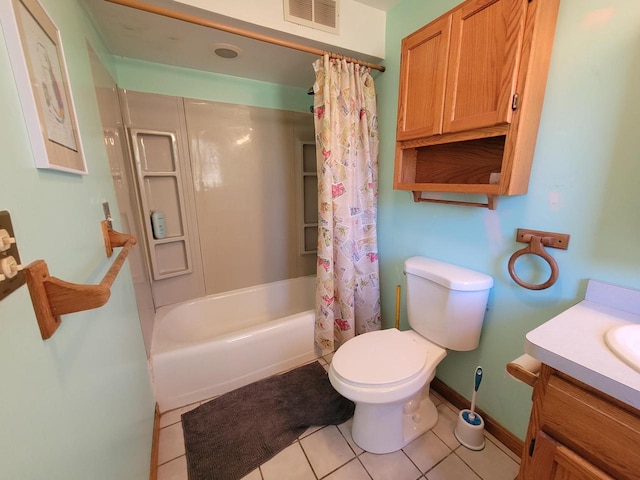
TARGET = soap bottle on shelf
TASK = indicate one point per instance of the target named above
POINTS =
(158, 225)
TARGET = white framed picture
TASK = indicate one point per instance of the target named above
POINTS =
(37, 60)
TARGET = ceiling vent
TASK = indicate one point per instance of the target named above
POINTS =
(318, 14)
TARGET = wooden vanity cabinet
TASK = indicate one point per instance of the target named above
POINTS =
(471, 89)
(578, 432)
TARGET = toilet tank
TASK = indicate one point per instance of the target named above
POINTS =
(446, 303)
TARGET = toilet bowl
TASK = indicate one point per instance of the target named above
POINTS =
(387, 374)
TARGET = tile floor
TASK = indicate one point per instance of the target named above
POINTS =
(328, 453)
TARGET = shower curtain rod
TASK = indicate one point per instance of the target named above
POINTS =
(165, 12)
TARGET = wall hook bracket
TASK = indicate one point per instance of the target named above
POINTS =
(536, 241)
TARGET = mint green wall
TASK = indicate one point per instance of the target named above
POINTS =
(183, 82)
(584, 182)
(79, 405)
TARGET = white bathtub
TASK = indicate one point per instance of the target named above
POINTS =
(218, 343)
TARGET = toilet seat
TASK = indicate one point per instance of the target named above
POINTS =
(384, 366)
(380, 359)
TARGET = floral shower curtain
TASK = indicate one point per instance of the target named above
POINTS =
(347, 289)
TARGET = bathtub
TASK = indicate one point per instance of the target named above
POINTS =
(212, 345)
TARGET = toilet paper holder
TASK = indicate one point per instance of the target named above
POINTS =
(525, 368)
(536, 241)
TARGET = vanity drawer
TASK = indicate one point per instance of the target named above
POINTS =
(587, 422)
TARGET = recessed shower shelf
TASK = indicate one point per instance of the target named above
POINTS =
(52, 297)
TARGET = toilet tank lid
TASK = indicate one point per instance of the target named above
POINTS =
(450, 276)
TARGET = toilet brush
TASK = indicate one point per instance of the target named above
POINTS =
(470, 428)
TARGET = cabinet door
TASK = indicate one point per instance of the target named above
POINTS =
(484, 55)
(554, 461)
(422, 80)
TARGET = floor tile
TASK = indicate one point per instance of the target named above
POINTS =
(171, 444)
(515, 457)
(330, 452)
(173, 416)
(174, 470)
(255, 475)
(351, 471)
(326, 450)
(490, 462)
(426, 451)
(345, 429)
(452, 468)
(310, 430)
(289, 464)
(447, 421)
(390, 466)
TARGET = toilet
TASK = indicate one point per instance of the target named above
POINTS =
(387, 373)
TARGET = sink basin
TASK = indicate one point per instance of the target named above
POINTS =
(624, 341)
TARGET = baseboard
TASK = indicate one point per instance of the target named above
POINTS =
(153, 471)
(503, 435)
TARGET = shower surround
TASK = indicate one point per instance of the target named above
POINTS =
(233, 201)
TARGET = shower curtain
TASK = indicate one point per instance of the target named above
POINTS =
(347, 290)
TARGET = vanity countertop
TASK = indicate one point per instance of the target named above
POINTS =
(573, 341)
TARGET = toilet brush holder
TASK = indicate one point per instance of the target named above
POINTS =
(470, 430)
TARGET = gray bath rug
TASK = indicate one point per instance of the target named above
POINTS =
(230, 436)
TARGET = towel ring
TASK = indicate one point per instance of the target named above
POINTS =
(535, 247)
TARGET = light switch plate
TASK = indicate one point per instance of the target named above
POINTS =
(9, 285)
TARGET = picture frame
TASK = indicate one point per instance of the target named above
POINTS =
(39, 68)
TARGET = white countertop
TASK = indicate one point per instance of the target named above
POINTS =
(573, 341)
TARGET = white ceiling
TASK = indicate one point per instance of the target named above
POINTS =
(139, 35)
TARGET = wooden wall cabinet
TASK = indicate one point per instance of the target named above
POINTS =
(471, 89)
(578, 432)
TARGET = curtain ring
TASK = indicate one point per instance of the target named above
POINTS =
(535, 247)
